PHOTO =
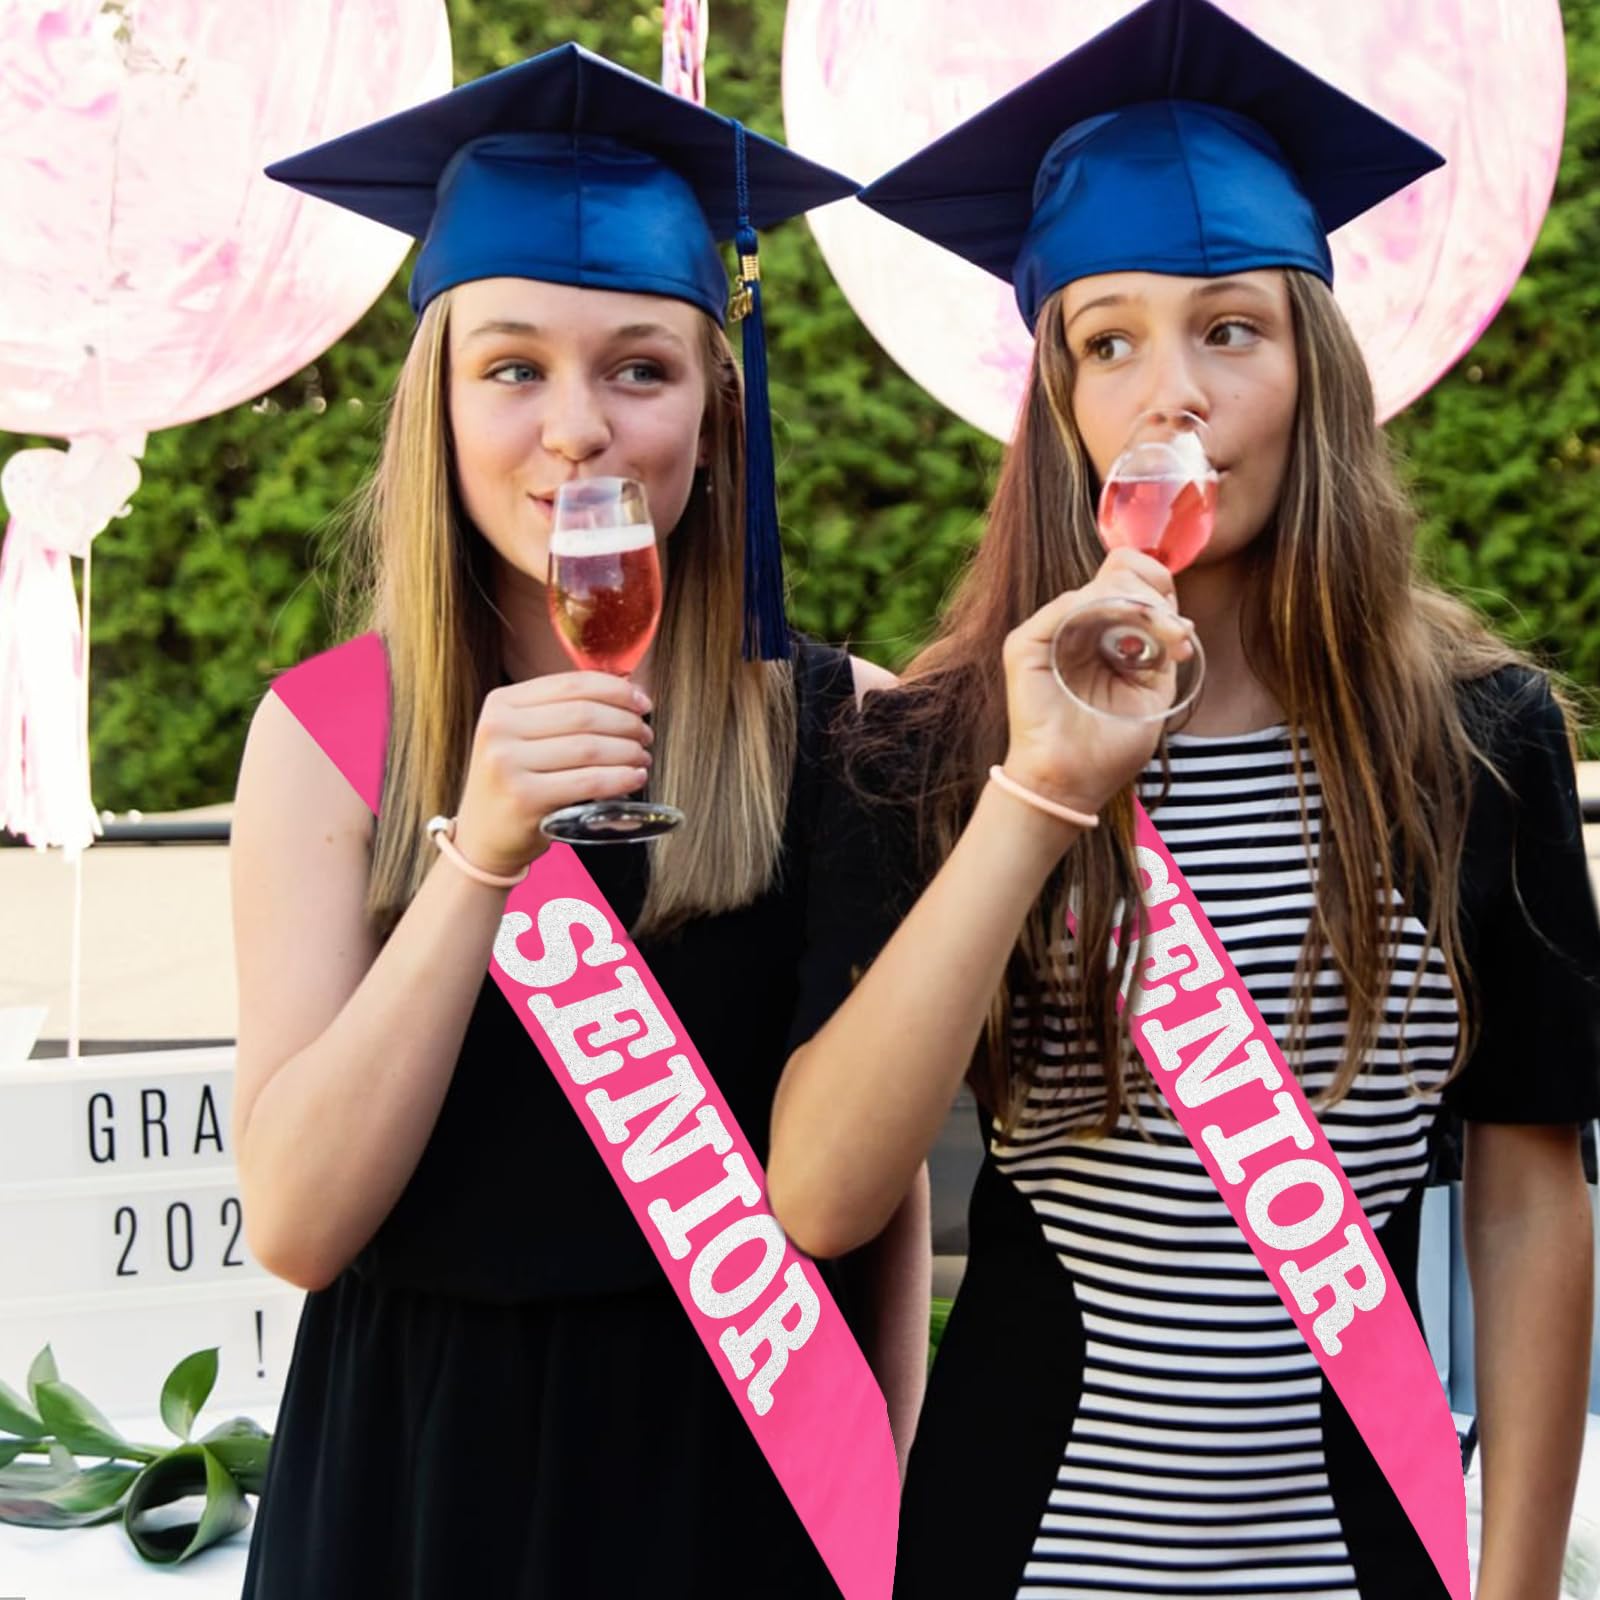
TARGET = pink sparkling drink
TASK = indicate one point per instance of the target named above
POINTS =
(1169, 518)
(605, 596)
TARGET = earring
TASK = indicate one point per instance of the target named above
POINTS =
(710, 484)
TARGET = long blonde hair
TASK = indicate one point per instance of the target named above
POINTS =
(1363, 656)
(419, 573)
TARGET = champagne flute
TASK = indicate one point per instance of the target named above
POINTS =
(604, 593)
(1160, 496)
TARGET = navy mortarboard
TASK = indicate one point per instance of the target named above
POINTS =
(1176, 141)
(569, 169)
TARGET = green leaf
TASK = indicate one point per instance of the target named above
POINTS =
(187, 1389)
(40, 1474)
(11, 1450)
(242, 1446)
(17, 1417)
(72, 1419)
(190, 1470)
(938, 1316)
(43, 1370)
(78, 1501)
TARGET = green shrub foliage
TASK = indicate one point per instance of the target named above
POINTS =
(216, 577)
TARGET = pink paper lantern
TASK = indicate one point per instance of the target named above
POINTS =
(868, 82)
(150, 274)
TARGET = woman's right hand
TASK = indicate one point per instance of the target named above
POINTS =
(1057, 748)
(549, 742)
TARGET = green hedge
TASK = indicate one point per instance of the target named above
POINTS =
(1505, 452)
(211, 582)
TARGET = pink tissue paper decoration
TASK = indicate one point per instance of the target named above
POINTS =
(59, 502)
(684, 26)
(150, 274)
(868, 82)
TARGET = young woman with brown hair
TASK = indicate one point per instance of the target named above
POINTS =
(1372, 799)
(492, 1379)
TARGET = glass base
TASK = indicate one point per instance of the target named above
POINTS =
(611, 822)
(1106, 658)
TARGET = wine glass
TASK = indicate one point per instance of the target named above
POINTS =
(1160, 496)
(604, 594)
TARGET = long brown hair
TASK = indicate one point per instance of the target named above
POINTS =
(417, 571)
(1362, 654)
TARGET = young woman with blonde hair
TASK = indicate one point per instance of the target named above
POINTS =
(493, 1389)
(1372, 799)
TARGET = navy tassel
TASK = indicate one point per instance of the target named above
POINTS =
(766, 628)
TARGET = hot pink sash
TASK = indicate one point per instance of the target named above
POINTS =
(1228, 1085)
(597, 1016)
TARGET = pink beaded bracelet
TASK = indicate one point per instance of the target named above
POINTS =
(1001, 779)
(442, 831)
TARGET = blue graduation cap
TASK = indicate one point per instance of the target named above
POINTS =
(1175, 141)
(570, 169)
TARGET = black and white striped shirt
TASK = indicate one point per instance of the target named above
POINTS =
(1195, 1464)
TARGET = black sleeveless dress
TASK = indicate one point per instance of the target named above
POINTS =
(502, 1397)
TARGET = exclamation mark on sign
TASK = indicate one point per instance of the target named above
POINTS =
(261, 1359)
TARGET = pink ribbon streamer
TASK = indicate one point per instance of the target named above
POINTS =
(1230, 1089)
(684, 27)
(687, 1172)
(60, 501)
(44, 754)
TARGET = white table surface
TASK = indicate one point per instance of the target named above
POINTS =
(100, 1564)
